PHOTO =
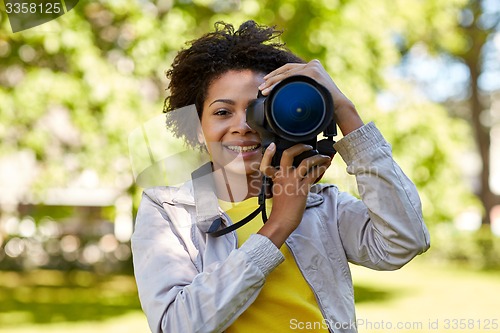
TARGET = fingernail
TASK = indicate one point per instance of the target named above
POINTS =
(265, 91)
(272, 146)
(262, 86)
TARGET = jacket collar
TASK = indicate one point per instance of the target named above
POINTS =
(184, 195)
(198, 193)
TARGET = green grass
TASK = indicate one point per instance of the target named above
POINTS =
(426, 297)
(421, 295)
(76, 301)
(132, 322)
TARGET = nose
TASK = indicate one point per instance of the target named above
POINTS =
(240, 125)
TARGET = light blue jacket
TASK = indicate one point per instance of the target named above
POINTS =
(189, 281)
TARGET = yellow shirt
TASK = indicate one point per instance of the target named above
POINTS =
(286, 301)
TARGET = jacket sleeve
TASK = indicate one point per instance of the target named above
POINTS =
(385, 229)
(174, 294)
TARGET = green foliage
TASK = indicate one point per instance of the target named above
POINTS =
(476, 250)
(429, 145)
(72, 90)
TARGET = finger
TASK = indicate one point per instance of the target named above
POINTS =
(313, 69)
(267, 89)
(289, 69)
(290, 153)
(283, 69)
(276, 76)
(312, 163)
(315, 173)
(265, 164)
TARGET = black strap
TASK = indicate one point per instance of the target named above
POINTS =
(213, 230)
(206, 201)
(216, 224)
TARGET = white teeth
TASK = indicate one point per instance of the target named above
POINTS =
(240, 149)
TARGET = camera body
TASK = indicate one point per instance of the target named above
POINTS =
(296, 111)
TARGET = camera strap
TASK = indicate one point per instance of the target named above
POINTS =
(206, 202)
(234, 226)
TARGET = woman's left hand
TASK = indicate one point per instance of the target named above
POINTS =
(346, 116)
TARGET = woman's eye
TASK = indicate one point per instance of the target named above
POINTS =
(221, 112)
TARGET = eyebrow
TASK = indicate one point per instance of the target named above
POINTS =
(229, 101)
(226, 101)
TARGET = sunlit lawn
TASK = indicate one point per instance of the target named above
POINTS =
(424, 297)
(77, 301)
(421, 296)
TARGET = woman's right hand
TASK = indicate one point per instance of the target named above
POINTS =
(290, 189)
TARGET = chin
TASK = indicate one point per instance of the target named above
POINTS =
(245, 168)
(240, 167)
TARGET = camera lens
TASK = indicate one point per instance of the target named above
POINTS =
(298, 109)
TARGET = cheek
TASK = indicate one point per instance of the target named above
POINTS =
(212, 135)
(213, 131)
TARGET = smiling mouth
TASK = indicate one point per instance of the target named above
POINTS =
(243, 149)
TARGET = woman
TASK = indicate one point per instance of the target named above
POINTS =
(246, 280)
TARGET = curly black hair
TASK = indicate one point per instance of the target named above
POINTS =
(252, 47)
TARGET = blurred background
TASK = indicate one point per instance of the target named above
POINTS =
(72, 90)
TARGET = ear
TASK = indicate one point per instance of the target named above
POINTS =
(200, 136)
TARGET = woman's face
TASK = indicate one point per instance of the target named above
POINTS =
(232, 144)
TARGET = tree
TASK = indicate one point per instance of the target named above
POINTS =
(479, 27)
(468, 43)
